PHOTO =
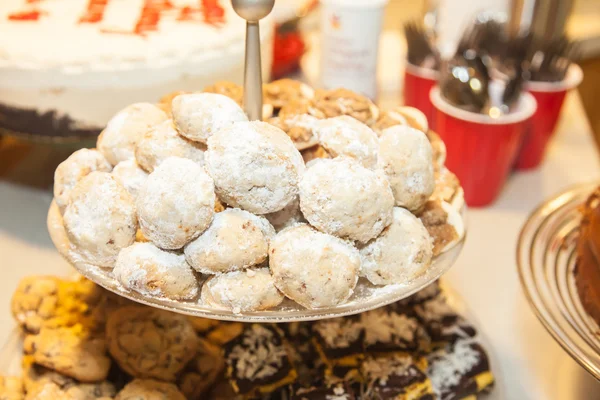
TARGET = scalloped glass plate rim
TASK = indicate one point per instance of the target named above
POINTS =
(366, 296)
(527, 277)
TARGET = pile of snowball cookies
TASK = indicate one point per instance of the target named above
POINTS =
(190, 201)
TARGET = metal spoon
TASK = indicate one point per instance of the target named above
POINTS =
(464, 82)
(253, 11)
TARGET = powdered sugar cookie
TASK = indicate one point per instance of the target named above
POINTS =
(405, 156)
(176, 203)
(100, 219)
(131, 176)
(198, 115)
(122, 133)
(146, 269)
(255, 166)
(346, 136)
(162, 142)
(73, 169)
(313, 268)
(236, 239)
(401, 253)
(242, 291)
(345, 199)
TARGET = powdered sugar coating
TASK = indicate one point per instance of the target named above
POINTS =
(343, 198)
(131, 176)
(313, 268)
(235, 240)
(100, 219)
(255, 166)
(242, 291)
(401, 253)
(349, 137)
(123, 132)
(406, 158)
(176, 203)
(150, 271)
(198, 116)
(73, 169)
(286, 217)
(162, 142)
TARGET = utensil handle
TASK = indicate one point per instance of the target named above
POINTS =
(252, 73)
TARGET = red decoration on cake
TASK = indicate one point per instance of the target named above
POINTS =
(94, 12)
(32, 15)
(213, 12)
(208, 11)
(150, 17)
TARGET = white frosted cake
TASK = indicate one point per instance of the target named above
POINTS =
(66, 66)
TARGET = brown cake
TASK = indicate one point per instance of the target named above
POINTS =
(587, 271)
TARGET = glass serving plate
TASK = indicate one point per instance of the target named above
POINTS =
(366, 296)
(546, 256)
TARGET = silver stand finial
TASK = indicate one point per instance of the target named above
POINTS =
(253, 11)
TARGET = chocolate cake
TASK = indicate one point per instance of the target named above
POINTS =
(587, 270)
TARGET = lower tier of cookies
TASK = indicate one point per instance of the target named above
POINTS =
(81, 342)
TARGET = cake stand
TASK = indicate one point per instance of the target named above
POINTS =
(366, 296)
(546, 256)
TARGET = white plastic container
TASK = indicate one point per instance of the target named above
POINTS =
(350, 31)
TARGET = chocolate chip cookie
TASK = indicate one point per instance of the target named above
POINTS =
(72, 351)
(150, 343)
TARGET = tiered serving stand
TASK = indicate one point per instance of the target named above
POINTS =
(366, 296)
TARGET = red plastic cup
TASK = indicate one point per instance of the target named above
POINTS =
(418, 82)
(550, 97)
(481, 149)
